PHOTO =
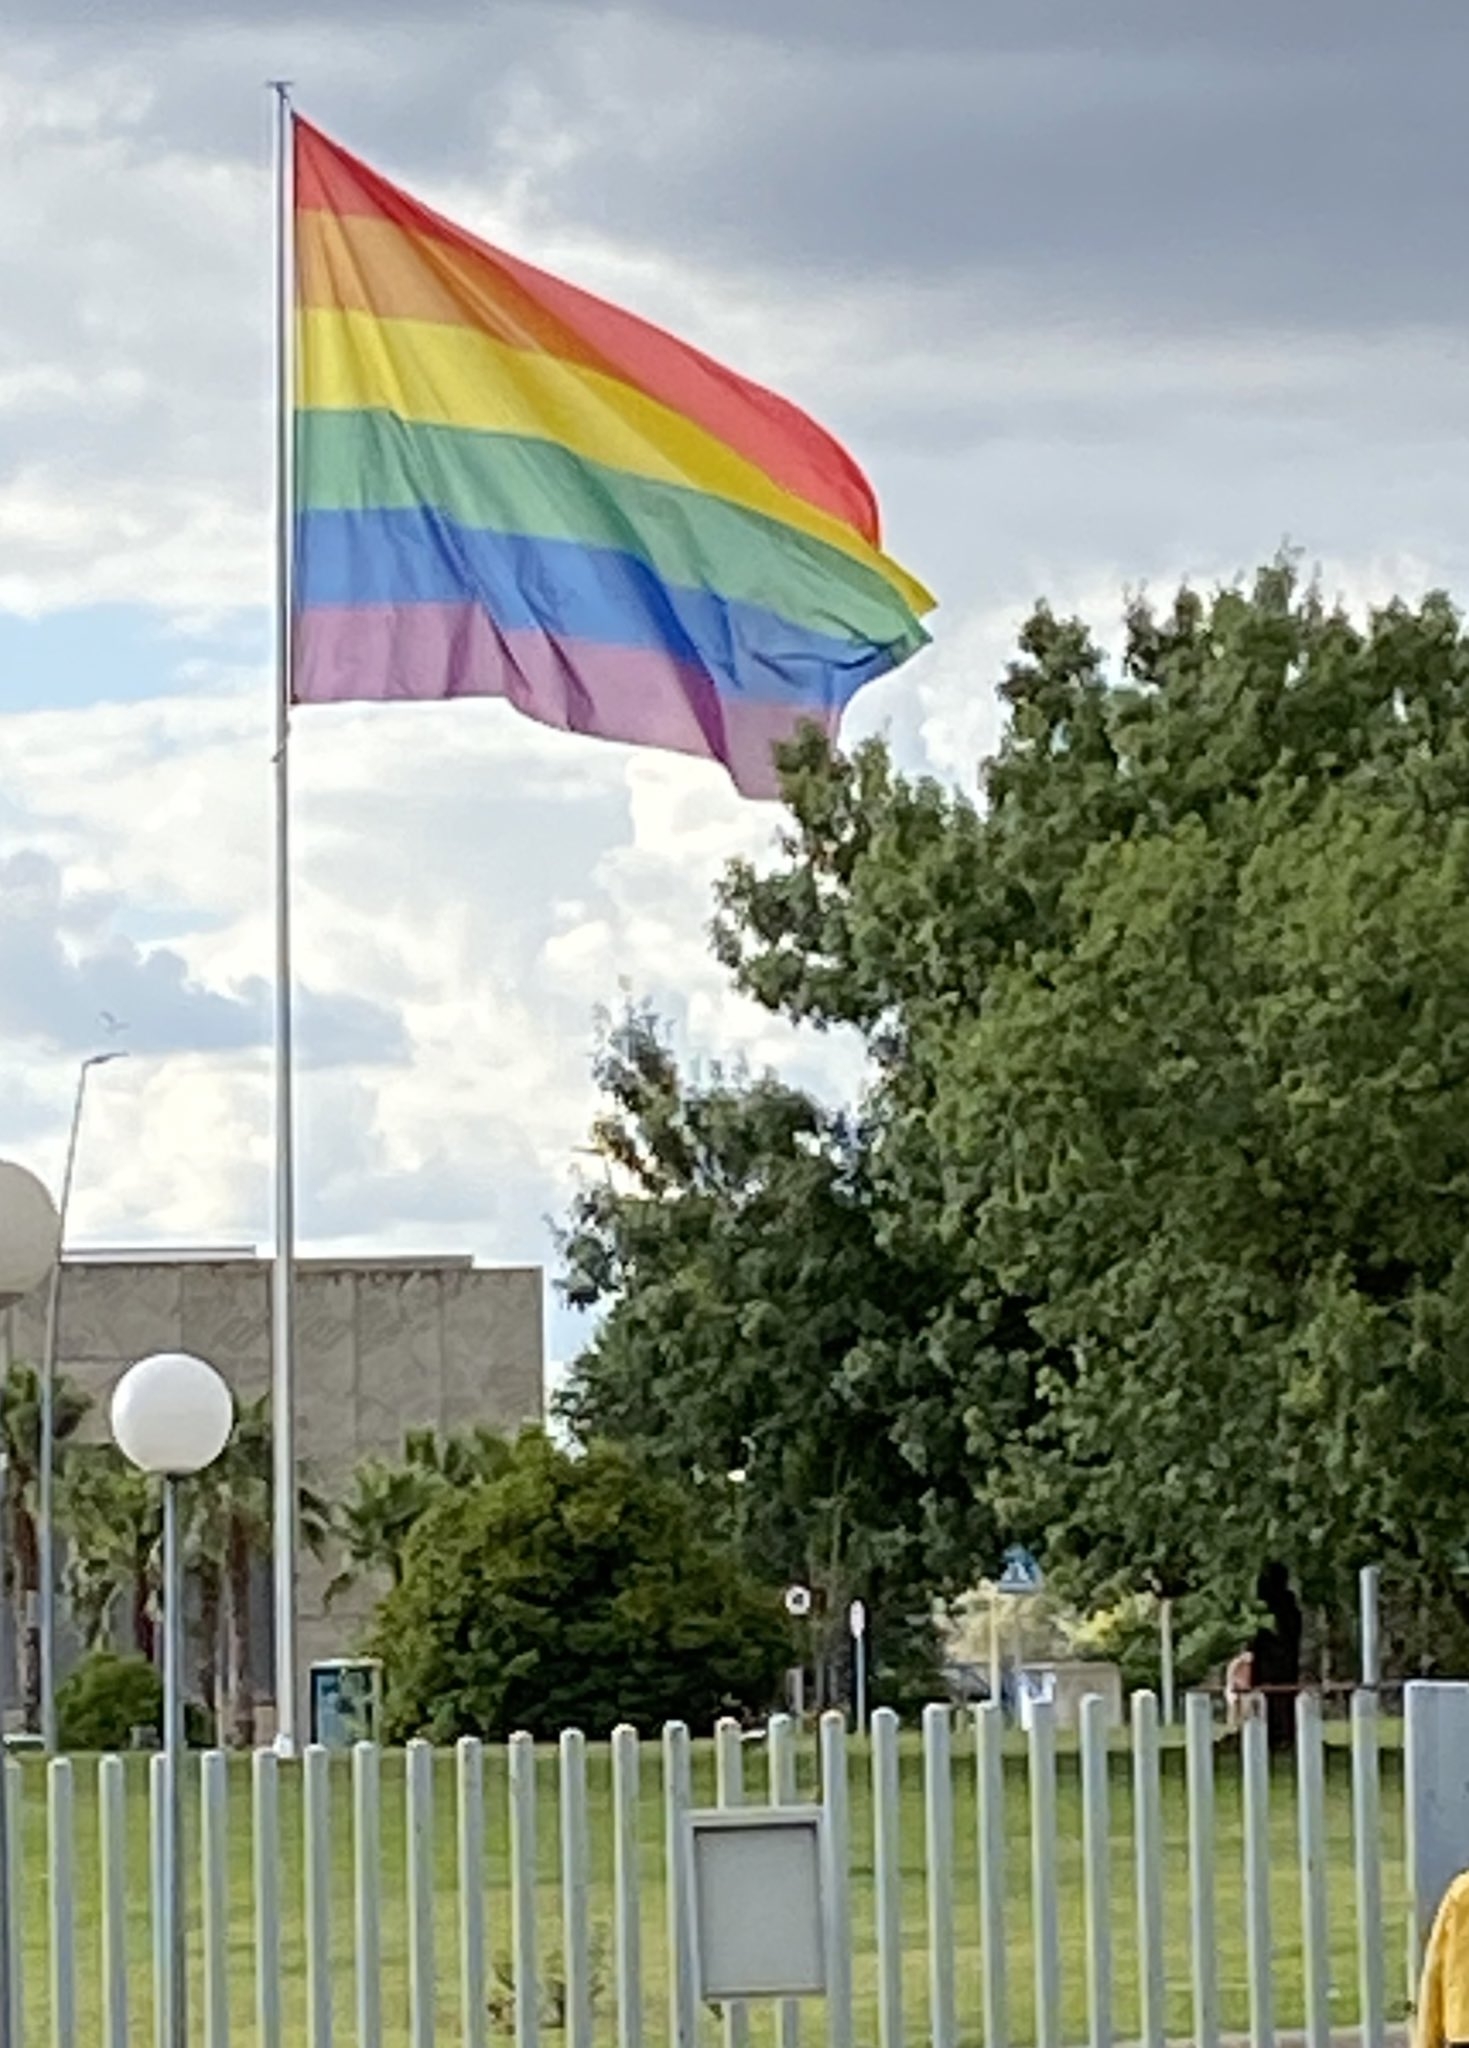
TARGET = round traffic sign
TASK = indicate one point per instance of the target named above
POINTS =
(798, 1601)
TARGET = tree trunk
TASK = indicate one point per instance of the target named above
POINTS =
(1277, 1654)
(28, 1579)
(145, 1632)
(211, 1600)
(237, 1631)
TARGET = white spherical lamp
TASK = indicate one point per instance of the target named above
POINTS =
(172, 1414)
(30, 1232)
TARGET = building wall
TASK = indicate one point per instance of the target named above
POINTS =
(383, 1347)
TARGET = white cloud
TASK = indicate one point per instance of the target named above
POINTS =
(485, 883)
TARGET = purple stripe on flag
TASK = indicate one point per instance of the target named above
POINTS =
(426, 652)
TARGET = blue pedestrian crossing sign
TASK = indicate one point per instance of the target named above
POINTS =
(1021, 1573)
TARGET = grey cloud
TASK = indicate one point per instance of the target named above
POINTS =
(1179, 165)
(63, 966)
(841, 24)
(1244, 184)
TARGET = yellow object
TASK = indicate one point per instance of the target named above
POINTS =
(1443, 1991)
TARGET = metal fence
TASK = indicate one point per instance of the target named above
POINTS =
(979, 1887)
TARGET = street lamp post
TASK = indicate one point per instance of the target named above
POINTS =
(30, 1235)
(46, 1505)
(171, 1416)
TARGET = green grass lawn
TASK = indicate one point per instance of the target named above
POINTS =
(1286, 1895)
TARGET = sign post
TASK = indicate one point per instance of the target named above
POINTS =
(1021, 1575)
(857, 1623)
(798, 1605)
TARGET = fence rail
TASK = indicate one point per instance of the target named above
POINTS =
(1124, 1889)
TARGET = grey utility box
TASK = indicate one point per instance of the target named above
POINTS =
(1436, 1781)
(756, 1902)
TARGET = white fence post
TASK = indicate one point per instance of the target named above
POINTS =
(1367, 1866)
(575, 1881)
(265, 1786)
(367, 1892)
(61, 1832)
(523, 1891)
(729, 1790)
(158, 1799)
(1147, 1821)
(1096, 1839)
(112, 1844)
(838, 1877)
(1199, 1734)
(1044, 1905)
(1255, 1766)
(317, 1861)
(887, 1870)
(1311, 1822)
(214, 1882)
(11, 1848)
(626, 1889)
(683, 2011)
(422, 1967)
(989, 1772)
(938, 1837)
(781, 1761)
(469, 1780)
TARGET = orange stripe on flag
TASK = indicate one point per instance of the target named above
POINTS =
(345, 263)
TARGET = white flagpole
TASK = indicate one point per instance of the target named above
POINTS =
(283, 1275)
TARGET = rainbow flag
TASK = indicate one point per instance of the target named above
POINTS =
(505, 487)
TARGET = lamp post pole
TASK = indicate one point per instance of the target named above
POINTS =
(29, 1241)
(176, 2028)
(171, 1416)
(46, 1505)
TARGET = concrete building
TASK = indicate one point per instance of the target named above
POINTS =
(384, 1346)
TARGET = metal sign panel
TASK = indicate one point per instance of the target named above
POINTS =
(1021, 1574)
(757, 1905)
(1436, 1783)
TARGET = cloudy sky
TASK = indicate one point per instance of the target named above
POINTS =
(1099, 295)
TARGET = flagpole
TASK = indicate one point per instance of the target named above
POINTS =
(283, 1274)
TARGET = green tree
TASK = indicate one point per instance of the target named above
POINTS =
(1171, 1043)
(229, 1509)
(572, 1591)
(761, 1320)
(113, 1518)
(387, 1501)
(20, 1434)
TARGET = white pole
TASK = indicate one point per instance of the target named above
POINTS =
(1165, 1659)
(1370, 1584)
(283, 1334)
(857, 1625)
(996, 1654)
(175, 1973)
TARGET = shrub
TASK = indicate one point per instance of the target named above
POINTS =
(573, 1592)
(107, 1696)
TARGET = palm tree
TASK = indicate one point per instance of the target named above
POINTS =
(230, 1520)
(20, 1437)
(374, 1523)
(468, 1457)
(387, 1501)
(114, 1520)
